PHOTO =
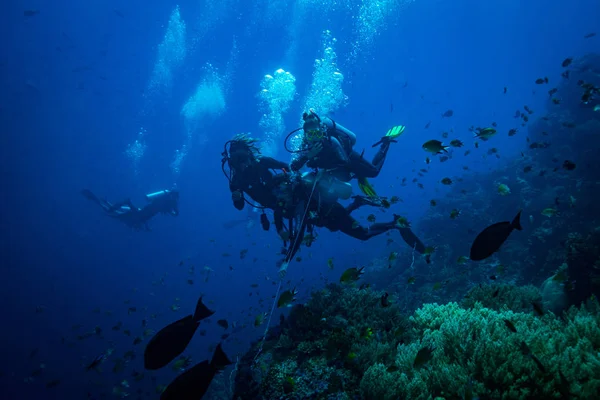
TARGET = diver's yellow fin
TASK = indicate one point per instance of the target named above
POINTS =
(395, 131)
(366, 187)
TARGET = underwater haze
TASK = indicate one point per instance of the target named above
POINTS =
(103, 102)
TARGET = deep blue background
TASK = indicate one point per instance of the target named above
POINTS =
(64, 130)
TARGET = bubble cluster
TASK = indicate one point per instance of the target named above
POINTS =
(277, 92)
(171, 54)
(371, 20)
(207, 101)
(135, 151)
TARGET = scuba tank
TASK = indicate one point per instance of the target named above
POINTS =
(329, 186)
(157, 195)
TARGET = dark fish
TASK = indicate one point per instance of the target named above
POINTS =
(493, 277)
(567, 62)
(384, 300)
(540, 81)
(96, 362)
(510, 326)
(423, 357)
(495, 294)
(492, 237)
(172, 340)
(569, 165)
(30, 13)
(448, 114)
(505, 89)
(193, 383)
(427, 125)
(223, 323)
(589, 35)
(527, 352)
(537, 307)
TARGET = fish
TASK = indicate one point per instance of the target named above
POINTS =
(223, 323)
(193, 383)
(569, 165)
(485, 133)
(527, 352)
(447, 114)
(589, 35)
(423, 356)
(172, 340)
(30, 13)
(96, 362)
(541, 81)
(538, 308)
(351, 274)
(384, 300)
(456, 143)
(287, 298)
(434, 147)
(492, 237)
(510, 326)
(446, 181)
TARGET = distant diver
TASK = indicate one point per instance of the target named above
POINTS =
(164, 201)
(328, 145)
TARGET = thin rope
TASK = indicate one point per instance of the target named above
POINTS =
(281, 278)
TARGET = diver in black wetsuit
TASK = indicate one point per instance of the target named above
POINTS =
(164, 201)
(328, 145)
(252, 174)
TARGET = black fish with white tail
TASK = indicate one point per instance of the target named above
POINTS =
(193, 383)
(491, 238)
(172, 340)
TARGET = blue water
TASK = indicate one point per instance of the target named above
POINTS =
(75, 92)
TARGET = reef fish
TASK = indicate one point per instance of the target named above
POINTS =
(172, 340)
(492, 237)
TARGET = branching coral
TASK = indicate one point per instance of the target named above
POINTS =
(475, 348)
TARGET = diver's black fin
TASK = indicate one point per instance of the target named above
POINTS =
(89, 195)
(201, 311)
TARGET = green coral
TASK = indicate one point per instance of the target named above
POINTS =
(473, 348)
(502, 297)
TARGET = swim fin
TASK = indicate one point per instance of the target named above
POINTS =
(366, 187)
(391, 135)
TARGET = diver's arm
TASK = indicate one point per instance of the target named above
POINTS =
(298, 162)
(271, 163)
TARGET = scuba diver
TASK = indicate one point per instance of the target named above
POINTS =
(164, 201)
(252, 174)
(323, 212)
(328, 145)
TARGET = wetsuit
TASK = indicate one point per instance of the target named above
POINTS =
(259, 182)
(338, 156)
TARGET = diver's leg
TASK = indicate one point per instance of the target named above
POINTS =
(361, 167)
(360, 201)
(338, 219)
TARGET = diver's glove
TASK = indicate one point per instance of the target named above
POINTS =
(391, 135)
(314, 150)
